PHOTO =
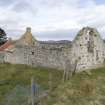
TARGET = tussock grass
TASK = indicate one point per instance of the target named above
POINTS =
(81, 89)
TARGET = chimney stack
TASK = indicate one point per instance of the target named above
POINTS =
(28, 29)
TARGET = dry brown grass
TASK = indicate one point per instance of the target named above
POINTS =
(87, 87)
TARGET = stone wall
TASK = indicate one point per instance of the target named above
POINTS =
(87, 49)
(2, 56)
(38, 56)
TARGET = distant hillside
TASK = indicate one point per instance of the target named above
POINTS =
(55, 42)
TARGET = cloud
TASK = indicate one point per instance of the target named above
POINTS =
(51, 19)
(6, 2)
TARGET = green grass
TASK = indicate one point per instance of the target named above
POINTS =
(82, 89)
(12, 75)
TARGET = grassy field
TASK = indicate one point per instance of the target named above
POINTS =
(85, 88)
(12, 75)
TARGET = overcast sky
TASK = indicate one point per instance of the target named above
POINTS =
(51, 19)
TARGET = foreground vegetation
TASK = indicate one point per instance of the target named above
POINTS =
(85, 88)
(12, 75)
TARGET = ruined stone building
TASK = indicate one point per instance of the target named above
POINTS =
(88, 49)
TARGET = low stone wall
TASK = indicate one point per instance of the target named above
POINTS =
(2, 56)
(38, 56)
